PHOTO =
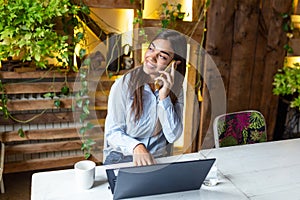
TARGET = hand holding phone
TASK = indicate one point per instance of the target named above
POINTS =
(157, 83)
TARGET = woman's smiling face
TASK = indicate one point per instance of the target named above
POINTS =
(158, 55)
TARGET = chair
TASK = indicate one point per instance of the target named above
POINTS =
(238, 128)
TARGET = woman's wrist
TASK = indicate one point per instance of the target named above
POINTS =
(140, 148)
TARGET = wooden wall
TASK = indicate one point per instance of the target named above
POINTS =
(245, 39)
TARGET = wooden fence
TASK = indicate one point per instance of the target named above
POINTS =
(245, 39)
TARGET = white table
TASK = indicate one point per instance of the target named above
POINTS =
(268, 170)
(264, 171)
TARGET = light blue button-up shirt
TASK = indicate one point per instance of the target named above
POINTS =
(122, 133)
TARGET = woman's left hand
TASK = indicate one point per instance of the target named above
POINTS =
(141, 156)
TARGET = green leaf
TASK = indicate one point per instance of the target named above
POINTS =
(87, 61)
(85, 9)
(82, 130)
(85, 109)
(47, 95)
(65, 90)
(57, 103)
(79, 102)
(90, 142)
(87, 155)
(89, 126)
(82, 117)
(285, 15)
(82, 53)
(79, 36)
(286, 27)
(21, 133)
(207, 4)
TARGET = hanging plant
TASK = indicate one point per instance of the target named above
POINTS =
(82, 105)
(27, 31)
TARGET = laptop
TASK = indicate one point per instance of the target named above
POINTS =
(138, 181)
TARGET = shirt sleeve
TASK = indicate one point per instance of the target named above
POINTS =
(115, 123)
(171, 116)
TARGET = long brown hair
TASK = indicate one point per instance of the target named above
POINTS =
(139, 77)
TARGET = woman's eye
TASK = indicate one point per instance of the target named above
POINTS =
(163, 57)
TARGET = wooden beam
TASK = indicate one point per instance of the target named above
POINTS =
(49, 134)
(36, 75)
(125, 4)
(47, 163)
(37, 104)
(33, 88)
(190, 29)
(273, 60)
(39, 117)
(219, 48)
(189, 110)
(43, 147)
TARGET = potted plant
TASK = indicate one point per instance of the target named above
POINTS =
(27, 31)
(169, 13)
(287, 84)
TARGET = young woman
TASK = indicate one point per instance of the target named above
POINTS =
(142, 120)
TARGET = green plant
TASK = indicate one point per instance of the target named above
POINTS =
(27, 30)
(287, 80)
(287, 83)
(169, 13)
(288, 28)
(3, 101)
(7, 114)
(83, 103)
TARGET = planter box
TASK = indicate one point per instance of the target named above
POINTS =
(51, 134)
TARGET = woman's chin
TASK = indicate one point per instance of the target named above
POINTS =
(149, 71)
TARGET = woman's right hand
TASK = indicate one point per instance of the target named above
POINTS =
(141, 156)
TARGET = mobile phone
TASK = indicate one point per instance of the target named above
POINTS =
(157, 83)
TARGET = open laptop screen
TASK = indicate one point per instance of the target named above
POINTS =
(159, 178)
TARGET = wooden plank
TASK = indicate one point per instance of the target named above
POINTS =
(43, 147)
(260, 51)
(191, 29)
(197, 7)
(101, 108)
(48, 117)
(41, 104)
(49, 134)
(47, 163)
(33, 88)
(36, 75)
(188, 124)
(125, 4)
(219, 20)
(273, 61)
(43, 118)
(37, 104)
(244, 44)
(55, 146)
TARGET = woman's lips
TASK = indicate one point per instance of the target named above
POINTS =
(150, 65)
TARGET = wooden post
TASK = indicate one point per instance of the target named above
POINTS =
(189, 110)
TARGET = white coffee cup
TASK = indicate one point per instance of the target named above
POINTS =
(85, 173)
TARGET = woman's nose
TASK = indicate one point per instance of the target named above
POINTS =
(153, 55)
